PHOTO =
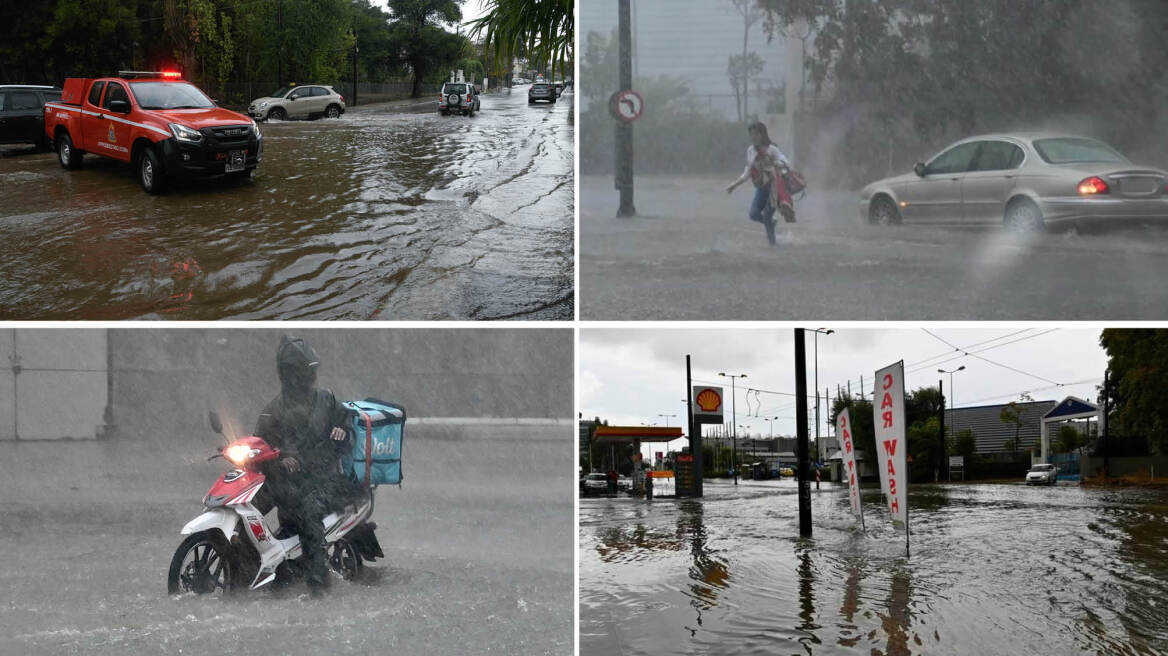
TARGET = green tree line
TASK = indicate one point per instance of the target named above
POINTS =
(226, 46)
(929, 70)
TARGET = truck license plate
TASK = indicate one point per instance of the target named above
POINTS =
(235, 161)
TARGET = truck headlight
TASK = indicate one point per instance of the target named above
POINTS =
(183, 133)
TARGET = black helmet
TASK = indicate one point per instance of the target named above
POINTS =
(296, 364)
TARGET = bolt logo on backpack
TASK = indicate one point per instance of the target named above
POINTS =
(377, 447)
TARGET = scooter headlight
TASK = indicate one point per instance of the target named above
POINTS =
(239, 454)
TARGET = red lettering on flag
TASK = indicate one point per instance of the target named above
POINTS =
(886, 402)
(890, 447)
(892, 486)
(844, 421)
(893, 505)
(887, 419)
(887, 381)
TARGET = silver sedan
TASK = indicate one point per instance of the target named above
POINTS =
(1024, 180)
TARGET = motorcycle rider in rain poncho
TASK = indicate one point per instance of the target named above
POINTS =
(311, 428)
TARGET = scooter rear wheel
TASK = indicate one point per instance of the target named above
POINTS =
(344, 560)
(202, 564)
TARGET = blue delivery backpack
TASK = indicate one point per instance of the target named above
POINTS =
(377, 443)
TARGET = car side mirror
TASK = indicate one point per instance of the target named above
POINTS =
(216, 424)
(919, 169)
(120, 106)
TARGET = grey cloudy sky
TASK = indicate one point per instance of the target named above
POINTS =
(629, 376)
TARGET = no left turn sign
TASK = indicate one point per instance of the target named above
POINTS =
(626, 105)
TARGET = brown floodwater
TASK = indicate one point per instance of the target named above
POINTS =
(390, 212)
(993, 569)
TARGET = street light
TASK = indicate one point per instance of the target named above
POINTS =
(666, 418)
(817, 331)
(734, 417)
(952, 396)
(772, 424)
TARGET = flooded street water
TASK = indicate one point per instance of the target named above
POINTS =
(994, 569)
(692, 254)
(390, 212)
(477, 561)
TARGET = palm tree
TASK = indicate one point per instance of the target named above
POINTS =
(544, 29)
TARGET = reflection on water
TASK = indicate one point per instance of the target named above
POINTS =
(993, 569)
(387, 213)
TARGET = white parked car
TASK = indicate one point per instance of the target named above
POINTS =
(1042, 474)
(594, 484)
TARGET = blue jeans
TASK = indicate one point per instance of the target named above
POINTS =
(760, 209)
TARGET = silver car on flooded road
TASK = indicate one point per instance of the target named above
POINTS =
(1025, 181)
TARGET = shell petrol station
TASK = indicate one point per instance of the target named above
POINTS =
(637, 436)
(705, 407)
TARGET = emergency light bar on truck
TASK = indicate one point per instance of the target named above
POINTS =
(130, 75)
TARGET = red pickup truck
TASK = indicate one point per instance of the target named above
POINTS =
(162, 126)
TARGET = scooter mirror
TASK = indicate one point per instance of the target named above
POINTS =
(216, 425)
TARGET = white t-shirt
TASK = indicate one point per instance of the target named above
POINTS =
(772, 150)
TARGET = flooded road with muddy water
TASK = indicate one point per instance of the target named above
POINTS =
(390, 212)
(993, 569)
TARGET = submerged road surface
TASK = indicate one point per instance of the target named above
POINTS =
(390, 212)
(478, 544)
(692, 254)
(993, 569)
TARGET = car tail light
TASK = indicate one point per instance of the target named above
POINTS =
(1093, 186)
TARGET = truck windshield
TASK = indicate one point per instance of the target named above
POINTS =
(169, 95)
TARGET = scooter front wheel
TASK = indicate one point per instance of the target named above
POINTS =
(202, 564)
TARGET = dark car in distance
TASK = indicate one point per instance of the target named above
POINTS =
(541, 91)
(22, 113)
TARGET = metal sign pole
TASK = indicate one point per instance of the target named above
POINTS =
(802, 447)
(624, 129)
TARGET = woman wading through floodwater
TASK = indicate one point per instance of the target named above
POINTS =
(765, 166)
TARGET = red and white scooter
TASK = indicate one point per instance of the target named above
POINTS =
(230, 546)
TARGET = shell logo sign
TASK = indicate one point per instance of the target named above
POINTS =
(707, 404)
(709, 400)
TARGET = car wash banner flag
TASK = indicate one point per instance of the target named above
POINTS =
(888, 418)
(843, 428)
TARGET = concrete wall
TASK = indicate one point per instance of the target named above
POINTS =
(167, 380)
(53, 384)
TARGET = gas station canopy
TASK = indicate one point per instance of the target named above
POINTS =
(634, 434)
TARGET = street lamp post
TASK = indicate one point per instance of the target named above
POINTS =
(817, 332)
(734, 418)
(666, 418)
(952, 396)
(771, 421)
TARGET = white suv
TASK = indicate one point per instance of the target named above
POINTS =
(459, 98)
(306, 101)
(1042, 474)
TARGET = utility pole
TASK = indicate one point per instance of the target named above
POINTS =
(941, 442)
(734, 420)
(280, 50)
(801, 431)
(624, 129)
(1106, 426)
